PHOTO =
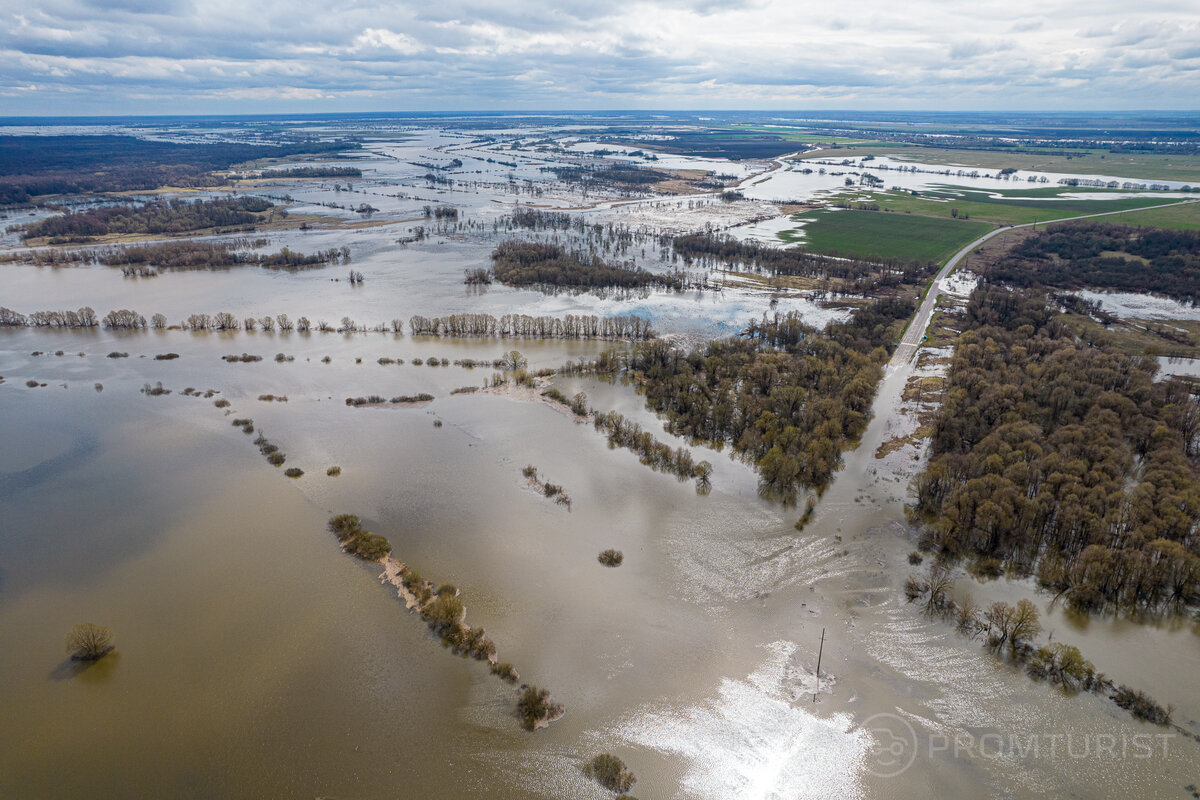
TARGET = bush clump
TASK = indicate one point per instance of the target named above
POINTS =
(535, 708)
(370, 400)
(293, 472)
(357, 541)
(505, 672)
(276, 458)
(1141, 705)
(334, 471)
(611, 558)
(166, 356)
(411, 398)
(610, 772)
(89, 642)
(222, 403)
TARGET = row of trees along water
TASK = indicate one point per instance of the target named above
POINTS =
(719, 251)
(786, 396)
(571, 326)
(1057, 454)
(154, 217)
(1010, 631)
(181, 254)
(199, 255)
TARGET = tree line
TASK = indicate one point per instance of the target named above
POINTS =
(723, 250)
(1009, 631)
(572, 326)
(657, 455)
(442, 609)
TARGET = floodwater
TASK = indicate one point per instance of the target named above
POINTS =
(254, 659)
(1173, 365)
(1141, 306)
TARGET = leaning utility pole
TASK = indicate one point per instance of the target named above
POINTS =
(820, 652)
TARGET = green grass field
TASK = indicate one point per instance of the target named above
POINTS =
(1183, 217)
(874, 234)
(1014, 207)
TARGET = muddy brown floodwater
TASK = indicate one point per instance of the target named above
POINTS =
(254, 659)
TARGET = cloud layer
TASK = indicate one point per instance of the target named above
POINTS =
(206, 56)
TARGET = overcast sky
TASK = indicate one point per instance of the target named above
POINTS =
(246, 56)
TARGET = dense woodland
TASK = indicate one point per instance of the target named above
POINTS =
(734, 145)
(625, 176)
(40, 165)
(521, 263)
(314, 172)
(190, 254)
(159, 216)
(1064, 457)
(1101, 256)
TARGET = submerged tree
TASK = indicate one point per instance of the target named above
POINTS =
(610, 772)
(89, 642)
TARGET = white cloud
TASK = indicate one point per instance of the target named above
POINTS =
(1052, 54)
(384, 39)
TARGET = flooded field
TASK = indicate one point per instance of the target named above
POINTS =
(255, 659)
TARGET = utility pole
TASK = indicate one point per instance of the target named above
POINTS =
(820, 652)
